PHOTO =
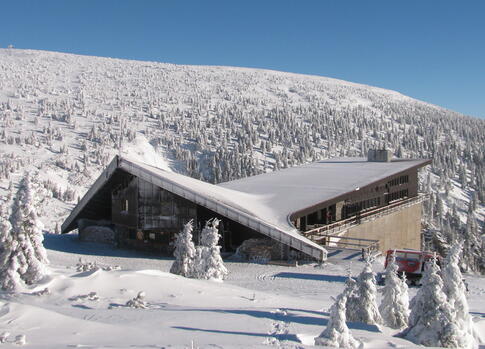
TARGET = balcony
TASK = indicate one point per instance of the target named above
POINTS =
(331, 235)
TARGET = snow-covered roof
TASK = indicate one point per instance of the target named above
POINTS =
(264, 202)
(287, 191)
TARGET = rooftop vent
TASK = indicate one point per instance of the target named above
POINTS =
(379, 155)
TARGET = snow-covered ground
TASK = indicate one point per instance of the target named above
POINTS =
(257, 306)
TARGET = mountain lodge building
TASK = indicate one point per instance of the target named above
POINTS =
(352, 203)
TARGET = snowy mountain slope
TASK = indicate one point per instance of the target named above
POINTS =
(65, 116)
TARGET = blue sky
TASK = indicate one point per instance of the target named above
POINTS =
(430, 50)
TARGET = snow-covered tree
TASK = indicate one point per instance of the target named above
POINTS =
(32, 225)
(353, 302)
(184, 252)
(9, 258)
(208, 262)
(394, 307)
(366, 294)
(455, 290)
(337, 334)
(27, 232)
(23, 256)
(431, 320)
(473, 255)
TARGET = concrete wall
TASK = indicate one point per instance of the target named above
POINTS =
(401, 229)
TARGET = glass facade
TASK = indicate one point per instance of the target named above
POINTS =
(162, 210)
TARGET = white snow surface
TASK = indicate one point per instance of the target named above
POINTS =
(245, 311)
(142, 151)
(287, 191)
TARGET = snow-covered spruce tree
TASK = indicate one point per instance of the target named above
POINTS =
(473, 254)
(353, 303)
(32, 225)
(27, 233)
(9, 263)
(431, 319)
(337, 334)
(209, 264)
(366, 294)
(394, 307)
(184, 252)
(455, 290)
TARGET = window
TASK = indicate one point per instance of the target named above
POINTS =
(124, 205)
(313, 218)
(398, 180)
(166, 203)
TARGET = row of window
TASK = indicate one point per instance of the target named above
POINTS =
(352, 209)
(398, 180)
(397, 195)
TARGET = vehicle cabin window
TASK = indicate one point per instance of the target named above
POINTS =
(400, 256)
(412, 256)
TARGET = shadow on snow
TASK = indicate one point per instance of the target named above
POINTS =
(70, 243)
(316, 277)
(290, 317)
(281, 337)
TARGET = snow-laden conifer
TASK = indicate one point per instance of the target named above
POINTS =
(353, 303)
(337, 334)
(9, 262)
(473, 254)
(32, 225)
(431, 319)
(22, 256)
(25, 231)
(9, 275)
(394, 307)
(365, 307)
(209, 264)
(455, 290)
(184, 252)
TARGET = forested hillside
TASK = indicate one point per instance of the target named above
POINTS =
(64, 116)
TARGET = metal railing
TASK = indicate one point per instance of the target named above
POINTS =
(358, 244)
(324, 234)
